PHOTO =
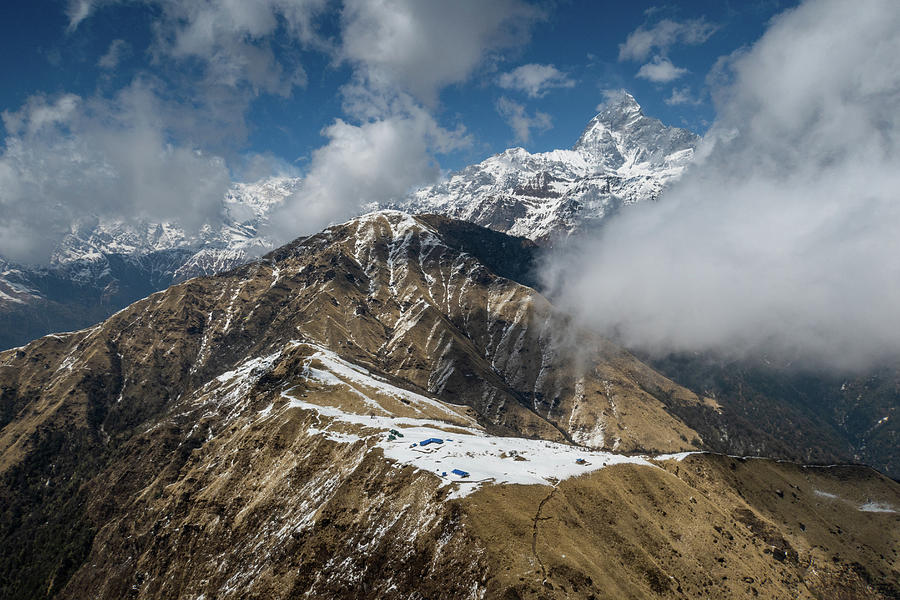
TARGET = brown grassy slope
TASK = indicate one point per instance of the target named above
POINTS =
(710, 527)
(127, 466)
(266, 510)
(384, 292)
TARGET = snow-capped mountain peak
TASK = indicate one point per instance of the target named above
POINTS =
(104, 264)
(621, 136)
(621, 158)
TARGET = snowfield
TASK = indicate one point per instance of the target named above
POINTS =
(486, 458)
(463, 445)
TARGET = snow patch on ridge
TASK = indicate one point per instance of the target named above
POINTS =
(464, 443)
(487, 459)
(877, 507)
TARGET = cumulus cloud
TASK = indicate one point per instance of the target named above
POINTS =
(658, 40)
(229, 41)
(414, 46)
(520, 121)
(782, 239)
(660, 70)
(644, 41)
(79, 10)
(216, 57)
(535, 80)
(403, 52)
(420, 46)
(365, 164)
(145, 152)
(232, 40)
(72, 159)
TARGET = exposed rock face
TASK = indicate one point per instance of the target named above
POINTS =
(620, 138)
(621, 158)
(237, 436)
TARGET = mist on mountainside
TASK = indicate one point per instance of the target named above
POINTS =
(781, 238)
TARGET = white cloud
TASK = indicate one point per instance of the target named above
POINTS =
(135, 156)
(116, 52)
(521, 122)
(217, 57)
(230, 39)
(73, 159)
(363, 164)
(414, 46)
(403, 52)
(233, 39)
(643, 41)
(660, 70)
(79, 10)
(535, 80)
(38, 115)
(420, 46)
(783, 237)
(682, 95)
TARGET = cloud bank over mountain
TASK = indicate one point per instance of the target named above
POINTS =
(782, 239)
(69, 159)
(163, 147)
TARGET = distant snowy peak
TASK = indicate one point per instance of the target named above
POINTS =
(103, 264)
(259, 198)
(622, 157)
(237, 236)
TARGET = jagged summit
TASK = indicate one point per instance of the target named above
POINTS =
(621, 158)
(618, 109)
(618, 112)
(621, 138)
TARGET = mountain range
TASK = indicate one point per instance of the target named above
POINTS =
(622, 157)
(393, 408)
(102, 266)
(381, 410)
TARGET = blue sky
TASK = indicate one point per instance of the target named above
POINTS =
(42, 53)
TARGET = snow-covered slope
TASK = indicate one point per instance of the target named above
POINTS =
(622, 157)
(372, 412)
